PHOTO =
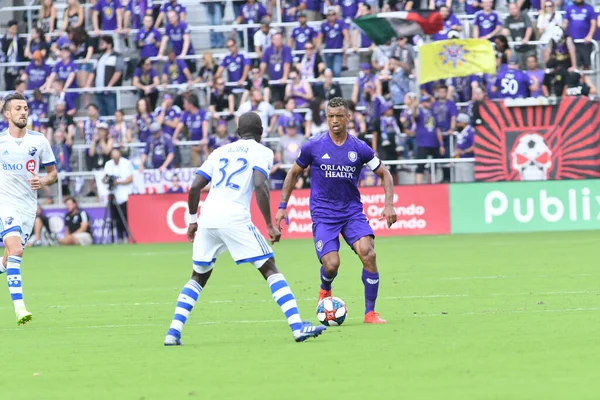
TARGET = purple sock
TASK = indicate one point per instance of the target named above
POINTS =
(371, 282)
(326, 280)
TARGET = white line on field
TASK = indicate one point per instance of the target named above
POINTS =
(281, 321)
(459, 278)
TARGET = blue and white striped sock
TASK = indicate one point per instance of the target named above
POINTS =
(185, 303)
(285, 298)
(15, 285)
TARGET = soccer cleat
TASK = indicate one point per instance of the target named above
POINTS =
(307, 331)
(323, 294)
(172, 341)
(372, 317)
(23, 316)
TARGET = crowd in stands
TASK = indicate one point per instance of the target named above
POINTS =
(290, 69)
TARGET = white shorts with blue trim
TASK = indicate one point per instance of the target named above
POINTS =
(14, 223)
(245, 244)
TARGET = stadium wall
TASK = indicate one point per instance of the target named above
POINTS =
(422, 210)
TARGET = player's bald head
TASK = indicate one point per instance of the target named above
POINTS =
(250, 126)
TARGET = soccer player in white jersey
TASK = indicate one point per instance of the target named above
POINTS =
(22, 153)
(235, 170)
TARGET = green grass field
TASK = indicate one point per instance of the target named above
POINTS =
(469, 317)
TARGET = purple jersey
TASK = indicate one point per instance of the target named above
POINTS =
(443, 111)
(334, 34)
(426, 129)
(448, 23)
(168, 6)
(462, 87)
(193, 122)
(275, 59)
(334, 174)
(89, 129)
(63, 71)
(143, 127)
(174, 71)
(37, 75)
(149, 41)
(312, 5)
(138, 10)
(171, 114)
(538, 75)
(108, 10)
(286, 5)
(301, 35)
(214, 142)
(145, 78)
(284, 119)
(349, 8)
(252, 14)
(235, 64)
(176, 34)
(469, 8)
(580, 19)
(464, 140)
(487, 23)
(512, 84)
(157, 150)
(39, 108)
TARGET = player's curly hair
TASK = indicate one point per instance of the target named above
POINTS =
(338, 102)
(11, 97)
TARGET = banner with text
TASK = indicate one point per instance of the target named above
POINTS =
(56, 218)
(535, 143)
(421, 210)
(525, 207)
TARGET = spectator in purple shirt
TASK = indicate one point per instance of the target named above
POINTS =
(65, 70)
(512, 83)
(135, 12)
(277, 60)
(146, 80)
(349, 8)
(312, 8)
(159, 151)
(535, 74)
(221, 138)
(176, 71)
(465, 148)
(37, 72)
(170, 5)
(428, 137)
(168, 114)
(302, 34)
(148, 39)
(175, 185)
(289, 10)
(451, 23)
(178, 34)
(472, 6)
(112, 16)
(580, 23)
(334, 35)
(252, 13)
(445, 112)
(38, 106)
(237, 66)
(487, 23)
(195, 120)
(289, 116)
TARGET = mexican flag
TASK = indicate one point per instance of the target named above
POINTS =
(385, 26)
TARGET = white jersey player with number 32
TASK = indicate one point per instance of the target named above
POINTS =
(22, 153)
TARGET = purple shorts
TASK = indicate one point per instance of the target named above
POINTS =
(327, 234)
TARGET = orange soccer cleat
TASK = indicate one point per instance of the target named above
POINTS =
(373, 317)
(323, 294)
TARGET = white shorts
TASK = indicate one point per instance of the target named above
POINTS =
(83, 238)
(245, 244)
(14, 223)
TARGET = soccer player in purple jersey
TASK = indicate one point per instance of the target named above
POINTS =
(336, 160)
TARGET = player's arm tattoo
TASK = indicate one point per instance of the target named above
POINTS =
(194, 197)
(290, 182)
(263, 196)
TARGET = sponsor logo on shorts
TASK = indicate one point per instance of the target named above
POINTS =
(319, 245)
(352, 156)
(8, 220)
(30, 166)
(372, 281)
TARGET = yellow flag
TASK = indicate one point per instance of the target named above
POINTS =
(454, 58)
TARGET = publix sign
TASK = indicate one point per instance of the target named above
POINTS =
(525, 206)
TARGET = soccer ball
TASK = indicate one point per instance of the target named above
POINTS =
(332, 311)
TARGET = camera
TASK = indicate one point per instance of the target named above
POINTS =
(110, 181)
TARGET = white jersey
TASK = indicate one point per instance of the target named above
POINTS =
(230, 169)
(18, 159)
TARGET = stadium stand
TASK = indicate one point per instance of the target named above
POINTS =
(164, 51)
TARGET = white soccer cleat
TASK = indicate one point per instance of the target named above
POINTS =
(23, 316)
